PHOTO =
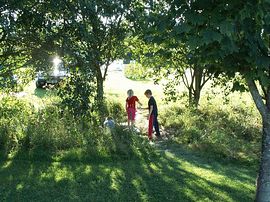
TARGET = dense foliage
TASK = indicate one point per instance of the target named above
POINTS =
(227, 37)
(77, 93)
(50, 131)
(87, 35)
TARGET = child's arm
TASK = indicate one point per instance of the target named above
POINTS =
(140, 107)
(126, 105)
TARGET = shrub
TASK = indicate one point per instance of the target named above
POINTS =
(54, 130)
(77, 93)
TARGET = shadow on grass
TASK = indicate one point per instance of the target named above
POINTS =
(165, 177)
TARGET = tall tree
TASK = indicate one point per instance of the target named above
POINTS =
(86, 34)
(97, 29)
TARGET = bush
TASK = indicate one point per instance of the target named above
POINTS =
(135, 72)
(232, 131)
(15, 117)
(54, 130)
(116, 110)
(51, 130)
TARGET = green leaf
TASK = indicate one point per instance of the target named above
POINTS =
(227, 28)
(195, 18)
(245, 13)
(228, 46)
(210, 36)
(182, 28)
(194, 42)
(263, 62)
(237, 86)
(264, 78)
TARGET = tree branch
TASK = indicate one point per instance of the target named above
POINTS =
(3, 36)
(106, 69)
(206, 80)
(257, 97)
(186, 84)
(263, 89)
(192, 79)
(185, 79)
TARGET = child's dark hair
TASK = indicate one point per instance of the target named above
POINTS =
(109, 118)
(148, 92)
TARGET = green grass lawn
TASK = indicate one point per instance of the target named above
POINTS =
(172, 175)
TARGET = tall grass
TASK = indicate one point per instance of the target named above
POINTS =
(50, 130)
(228, 130)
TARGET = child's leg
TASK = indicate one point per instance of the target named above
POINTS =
(133, 114)
(129, 115)
(150, 127)
(156, 126)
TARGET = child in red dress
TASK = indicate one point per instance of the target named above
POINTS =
(131, 107)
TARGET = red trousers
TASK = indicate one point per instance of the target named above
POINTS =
(150, 127)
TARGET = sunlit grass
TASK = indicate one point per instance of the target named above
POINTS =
(39, 97)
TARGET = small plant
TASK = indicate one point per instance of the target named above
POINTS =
(116, 110)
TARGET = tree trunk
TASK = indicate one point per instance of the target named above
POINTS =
(263, 182)
(195, 87)
(190, 97)
(198, 72)
(197, 96)
(100, 87)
